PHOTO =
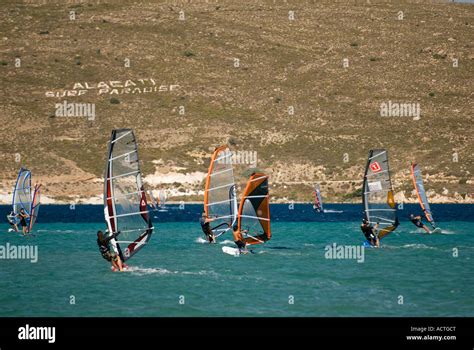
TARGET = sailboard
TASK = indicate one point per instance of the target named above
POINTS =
(378, 196)
(220, 200)
(125, 206)
(254, 210)
(421, 193)
(25, 197)
(318, 201)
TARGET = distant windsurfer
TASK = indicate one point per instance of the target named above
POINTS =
(206, 228)
(12, 220)
(416, 220)
(24, 225)
(370, 233)
(107, 254)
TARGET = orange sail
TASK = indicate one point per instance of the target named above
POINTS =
(254, 210)
(220, 201)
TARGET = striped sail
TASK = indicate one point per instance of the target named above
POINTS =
(421, 193)
(22, 192)
(378, 197)
(220, 202)
(318, 201)
(254, 210)
(125, 206)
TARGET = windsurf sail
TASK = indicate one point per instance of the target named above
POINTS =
(220, 201)
(254, 210)
(378, 197)
(22, 192)
(25, 198)
(125, 206)
(318, 201)
(153, 204)
(162, 198)
(35, 205)
(421, 193)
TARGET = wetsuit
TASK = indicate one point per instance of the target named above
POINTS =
(240, 244)
(206, 228)
(417, 222)
(12, 219)
(23, 220)
(368, 233)
(105, 249)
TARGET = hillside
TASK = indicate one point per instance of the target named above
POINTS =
(233, 72)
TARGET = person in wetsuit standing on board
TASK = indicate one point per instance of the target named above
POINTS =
(107, 254)
(239, 240)
(23, 216)
(416, 220)
(206, 228)
(12, 220)
(369, 233)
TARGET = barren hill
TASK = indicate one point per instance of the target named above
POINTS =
(300, 84)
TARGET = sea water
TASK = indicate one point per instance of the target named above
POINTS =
(179, 274)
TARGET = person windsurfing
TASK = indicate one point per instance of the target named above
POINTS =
(370, 233)
(206, 228)
(239, 240)
(24, 225)
(417, 221)
(107, 254)
(12, 221)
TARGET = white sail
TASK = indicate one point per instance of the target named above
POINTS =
(378, 198)
(220, 202)
(125, 205)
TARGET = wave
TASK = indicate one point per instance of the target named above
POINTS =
(447, 232)
(227, 241)
(201, 240)
(140, 271)
(414, 246)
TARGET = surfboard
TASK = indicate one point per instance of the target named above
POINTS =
(436, 230)
(231, 251)
(366, 244)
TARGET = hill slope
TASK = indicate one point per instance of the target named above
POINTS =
(242, 73)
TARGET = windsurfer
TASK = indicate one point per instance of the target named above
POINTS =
(107, 254)
(416, 220)
(370, 233)
(23, 216)
(12, 220)
(239, 240)
(206, 228)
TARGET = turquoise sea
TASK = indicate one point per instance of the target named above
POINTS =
(179, 275)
